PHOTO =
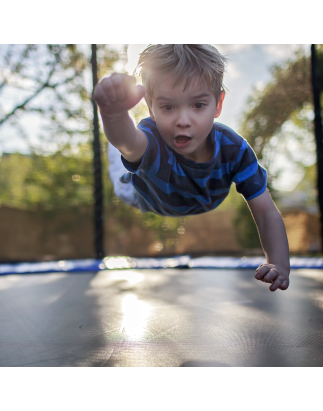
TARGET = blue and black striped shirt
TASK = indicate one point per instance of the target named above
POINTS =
(170, 184)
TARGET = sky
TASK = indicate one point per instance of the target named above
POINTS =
(248, 67)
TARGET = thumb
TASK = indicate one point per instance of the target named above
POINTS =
(137, 93)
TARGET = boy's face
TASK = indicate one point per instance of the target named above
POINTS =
(184, 118)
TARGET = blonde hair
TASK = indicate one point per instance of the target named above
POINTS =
(183, 62)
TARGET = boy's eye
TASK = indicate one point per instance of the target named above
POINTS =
(199, 105)
(168, 107)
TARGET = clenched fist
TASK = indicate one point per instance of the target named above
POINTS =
(272, 273)
(117, 93)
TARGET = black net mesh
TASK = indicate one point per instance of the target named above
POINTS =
(47, 173)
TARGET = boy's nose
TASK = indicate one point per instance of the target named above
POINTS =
(183, 119)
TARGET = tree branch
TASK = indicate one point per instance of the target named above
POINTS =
(21, 106)
(17, 67)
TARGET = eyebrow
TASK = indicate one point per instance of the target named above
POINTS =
(202, 95)
(163, 98)
(194, 97)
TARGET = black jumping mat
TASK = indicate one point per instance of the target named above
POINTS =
(160, 318)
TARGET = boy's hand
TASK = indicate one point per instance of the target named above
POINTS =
(117, 93)
(270, 273)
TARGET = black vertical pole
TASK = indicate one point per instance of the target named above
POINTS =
(98, 197)
(318, 133)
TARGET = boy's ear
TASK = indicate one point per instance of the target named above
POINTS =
(219, 106)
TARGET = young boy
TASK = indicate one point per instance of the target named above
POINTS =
(178, 161)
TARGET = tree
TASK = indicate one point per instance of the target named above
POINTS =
(287, 98)
(48, 83)
(277, 118)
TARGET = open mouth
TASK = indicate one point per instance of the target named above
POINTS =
(181, 141)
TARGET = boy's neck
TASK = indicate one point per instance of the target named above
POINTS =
(204, 154)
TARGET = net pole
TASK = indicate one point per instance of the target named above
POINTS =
(97, 165)
(318, 133)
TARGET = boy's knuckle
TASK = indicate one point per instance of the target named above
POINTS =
(104, 84)
(107, 83)
(108, 87)
(105, 80)
(119, 78)
(98, 94)
(116, 80)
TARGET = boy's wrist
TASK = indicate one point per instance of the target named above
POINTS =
(281, 261)
(284, 267)
(115, 117)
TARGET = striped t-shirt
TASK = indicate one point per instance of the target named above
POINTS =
(172, 185)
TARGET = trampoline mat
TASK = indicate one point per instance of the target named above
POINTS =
(160, 318)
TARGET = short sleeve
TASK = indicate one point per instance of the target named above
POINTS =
(248, 175)
(151, 158)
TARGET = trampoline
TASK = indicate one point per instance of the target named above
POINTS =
(185, 315)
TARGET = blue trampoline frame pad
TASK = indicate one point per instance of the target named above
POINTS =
(122, 262)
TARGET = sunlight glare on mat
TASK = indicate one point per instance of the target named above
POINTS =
(135, 315)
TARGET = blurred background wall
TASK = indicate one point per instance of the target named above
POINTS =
(46, 172)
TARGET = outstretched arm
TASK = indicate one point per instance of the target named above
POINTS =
(116, 95)
(274, 242)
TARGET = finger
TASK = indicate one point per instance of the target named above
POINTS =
(129, 85)
(136, 95)
(271, 276)
(139, 92)
(266, 265)
(261, 272)
(276, 284)
(108, 89)
(120, 85)
(284, 285)
(100, 96)
(280, 283)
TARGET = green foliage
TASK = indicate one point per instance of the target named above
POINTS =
(60, 180)
(54, 181)
(281, 113)
(282, 99)
(233, 199)
(308, 186)
(65, 180)
(268, 109)
(13, 171)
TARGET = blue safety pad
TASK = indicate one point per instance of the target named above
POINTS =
(252, 262)
(112, 263)
(122, 262)
(51, 266)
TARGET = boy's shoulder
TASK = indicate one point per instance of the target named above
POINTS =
(147, 122)
(225, 135)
